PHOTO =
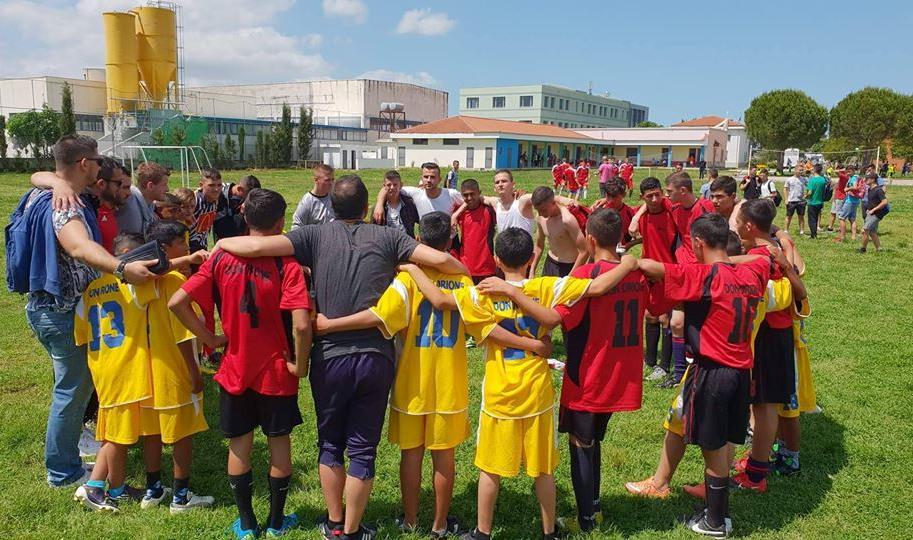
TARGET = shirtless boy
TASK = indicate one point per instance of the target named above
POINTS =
(566, 242)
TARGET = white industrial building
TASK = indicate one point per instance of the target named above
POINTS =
(736, 137)
(349, 115)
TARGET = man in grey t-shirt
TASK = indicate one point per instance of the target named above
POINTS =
(352, 263)
(138, 211)
(315, 207)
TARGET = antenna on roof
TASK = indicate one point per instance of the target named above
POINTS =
(590, 88)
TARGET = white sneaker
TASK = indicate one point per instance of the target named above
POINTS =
(194, 501)
(151, 502)
(657, 374)
(88, 446)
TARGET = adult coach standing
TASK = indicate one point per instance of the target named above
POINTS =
(351, 263)
(63, 257)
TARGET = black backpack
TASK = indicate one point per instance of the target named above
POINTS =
(828, 193)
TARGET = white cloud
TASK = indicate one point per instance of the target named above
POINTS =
(425, 22)
(356, 10)
(422, 78)
(313, 40)
(224, 40)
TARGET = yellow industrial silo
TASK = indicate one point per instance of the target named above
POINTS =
(121, 71)
(156, 36)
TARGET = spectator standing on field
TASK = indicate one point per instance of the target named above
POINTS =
(399, 209)
(314, 207)
(843, 176)
(453, 177)
(705, 187)
(878, 209)
(795, 200)
(72, 236)
(815, 197)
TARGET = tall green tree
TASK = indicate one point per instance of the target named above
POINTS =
(242, 134)
(67, 118)
(305, 133)
(902, 143)
(282, 136)
(230, 148)
(35, 130)
(868, 117)
(782, 119)
(178, 135)
(259, 149)
(3, 145)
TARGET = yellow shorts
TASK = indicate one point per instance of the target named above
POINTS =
(503, 444)
(434, 431)
(673, 421)
(124, 424)
(806, 398)
(176, 423)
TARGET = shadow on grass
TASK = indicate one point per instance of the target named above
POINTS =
(823, 457)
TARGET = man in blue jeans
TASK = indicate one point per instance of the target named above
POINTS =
(72, 235)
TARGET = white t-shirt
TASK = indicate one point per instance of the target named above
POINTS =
(513, 217)
(795, 189)
(447, 201)
(767, 188)
(313, 210)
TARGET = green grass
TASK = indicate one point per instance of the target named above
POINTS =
(855, 480)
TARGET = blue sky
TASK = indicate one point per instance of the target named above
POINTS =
(681, 62)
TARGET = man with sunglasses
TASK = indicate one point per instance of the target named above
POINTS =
(111, 192)
(71, 235)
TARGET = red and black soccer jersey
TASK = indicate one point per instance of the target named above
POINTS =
(604, 371)
(477, 235)
(775, 319)
(683, 218)
(659, 235)
(252, 294)
(570, 178)
(720, 302)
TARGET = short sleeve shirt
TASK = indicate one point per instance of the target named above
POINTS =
(351, 266)
(252, 294)
(313, 210)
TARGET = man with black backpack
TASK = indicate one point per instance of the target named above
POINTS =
(818, 192)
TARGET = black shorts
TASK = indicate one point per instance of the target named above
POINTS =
(555, 268)
(795, 207)
(715, 405)
(588, 427)
(774, 373)
(241, 414)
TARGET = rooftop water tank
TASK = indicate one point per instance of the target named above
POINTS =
(392, 107)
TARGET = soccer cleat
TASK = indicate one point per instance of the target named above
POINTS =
(668, 382)
(405, 528)
(153, 498)
(363, 533)
(738, 467)
(698, 523)
(88, 446)
(475, 534)
(698, 491)
(328, 530)
(786, 465)
(453, 529)
(242, 534)
(646, 488)
(289, 522)
(130, 494)
(191, 502)
(657, 374)
(742, 482)
(95, 499)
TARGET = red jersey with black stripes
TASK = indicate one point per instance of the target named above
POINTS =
(659, 235)
(605, 345)
(720, 302)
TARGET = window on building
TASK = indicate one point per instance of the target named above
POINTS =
(526, 121)
(88, 122)
(420, 142)
(401, 156)
(526, 101)
(470, 158)
(472, 103)
(489, 154)
(451, 142)
(498, 102)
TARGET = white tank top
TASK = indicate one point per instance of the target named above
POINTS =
(513, 218)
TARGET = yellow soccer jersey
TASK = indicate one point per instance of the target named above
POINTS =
(111, 320)
(517, 383)
(431, 375)
(171, 385)
(777, 297)
(805, 384)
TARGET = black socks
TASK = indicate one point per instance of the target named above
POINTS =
(584, 462)
(278, 492)
(651, 334)
(717, 499)
(665, 361)
(242, 486)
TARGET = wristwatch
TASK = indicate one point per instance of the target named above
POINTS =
(119, 271)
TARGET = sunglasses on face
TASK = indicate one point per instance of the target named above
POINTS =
(97, 159)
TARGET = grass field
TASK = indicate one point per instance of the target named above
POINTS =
(855, 455)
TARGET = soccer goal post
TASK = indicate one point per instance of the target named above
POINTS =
(186, 160)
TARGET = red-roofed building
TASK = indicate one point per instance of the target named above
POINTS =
(486, 143)
(737, 138)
